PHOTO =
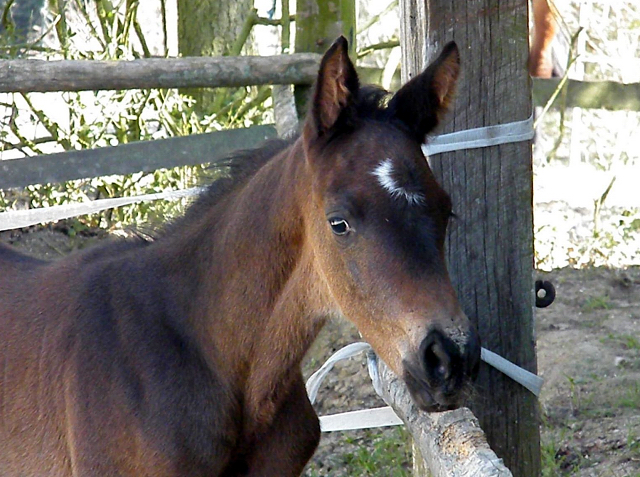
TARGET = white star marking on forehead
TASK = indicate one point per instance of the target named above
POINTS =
(384, 173)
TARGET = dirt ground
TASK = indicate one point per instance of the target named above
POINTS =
(588, 354)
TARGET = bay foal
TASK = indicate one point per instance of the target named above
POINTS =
(181, 356)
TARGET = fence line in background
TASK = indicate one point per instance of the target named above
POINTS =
(142, 156)
(27, 76)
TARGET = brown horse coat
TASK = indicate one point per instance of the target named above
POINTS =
(180, 357)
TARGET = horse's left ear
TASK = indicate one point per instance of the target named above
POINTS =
(422, 102)
(336, 87)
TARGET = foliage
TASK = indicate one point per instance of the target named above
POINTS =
(52, 122)
(553, 460)
(596, 303)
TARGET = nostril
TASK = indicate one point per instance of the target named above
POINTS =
(437, 361)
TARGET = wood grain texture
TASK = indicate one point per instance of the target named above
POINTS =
(23, 76)
(210, 27)
(490, 245)
(451, 443)
(284, 110)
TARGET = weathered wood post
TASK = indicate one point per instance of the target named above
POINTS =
(490, 245)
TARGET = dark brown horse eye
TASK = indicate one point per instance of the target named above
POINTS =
(339, 226)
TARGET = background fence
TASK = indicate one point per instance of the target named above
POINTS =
(300, 69)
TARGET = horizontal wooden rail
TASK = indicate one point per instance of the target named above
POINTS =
(589, 94)
(24, 76)
(128, 158)
(451, 443)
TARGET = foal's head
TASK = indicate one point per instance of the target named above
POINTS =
(378, 220)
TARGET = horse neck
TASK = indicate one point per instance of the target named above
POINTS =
(258, 303)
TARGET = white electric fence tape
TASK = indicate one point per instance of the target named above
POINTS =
(25, 218)
(381, 417)
(315, 380)
(529, 380)
(481, 137)
(362, 419)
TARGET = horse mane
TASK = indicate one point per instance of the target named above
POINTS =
(241, 165)
(229, 174)
(237, 168)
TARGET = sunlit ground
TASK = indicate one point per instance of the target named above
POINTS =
(586, 194)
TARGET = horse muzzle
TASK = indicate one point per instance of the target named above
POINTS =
(439, 377)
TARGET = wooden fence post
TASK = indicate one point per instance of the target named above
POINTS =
(490, 245)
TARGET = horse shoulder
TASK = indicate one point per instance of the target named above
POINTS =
(138, 369)
(97, 340)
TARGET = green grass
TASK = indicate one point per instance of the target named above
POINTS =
(631, 398)
(375, 454)
(630, 342)
(633, 443)
(594, 303)
(550, 465)
(555, 462)
(627, 342)
(387, 456)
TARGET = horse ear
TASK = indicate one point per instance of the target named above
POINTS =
(422, 102)
(336, 87)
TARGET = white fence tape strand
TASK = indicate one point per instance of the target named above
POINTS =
(315, 380)
(481, 137)
(362, 419)
(529, 380)
(25, 218)
(369, 418)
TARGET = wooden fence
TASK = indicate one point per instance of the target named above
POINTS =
(449, 444)
(142, 156)
(22, 76)
(299, 69)
(25, 76)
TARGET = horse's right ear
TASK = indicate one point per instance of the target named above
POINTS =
(336, 88)
(422, 102)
